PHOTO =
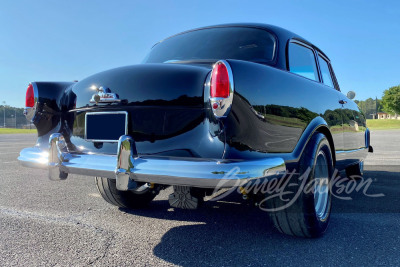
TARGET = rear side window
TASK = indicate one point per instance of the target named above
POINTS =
(325, 72)
(302, 61)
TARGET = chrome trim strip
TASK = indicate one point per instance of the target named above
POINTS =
(208, 173)
(104, 113)
(358, 154)
(351, 151)
(224, 104)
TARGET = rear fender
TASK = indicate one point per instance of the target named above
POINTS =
(318, 124)
(47, 109)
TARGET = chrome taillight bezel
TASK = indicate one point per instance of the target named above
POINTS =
(30, 112)
(221, 106)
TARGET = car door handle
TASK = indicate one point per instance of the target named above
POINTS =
(342, 102)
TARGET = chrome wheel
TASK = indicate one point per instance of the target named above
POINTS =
(321, 186)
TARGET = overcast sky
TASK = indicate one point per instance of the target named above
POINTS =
(70, 40)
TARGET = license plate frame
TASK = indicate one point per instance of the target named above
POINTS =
(104, 114)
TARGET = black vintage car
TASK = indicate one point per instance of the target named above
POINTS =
(208, 109)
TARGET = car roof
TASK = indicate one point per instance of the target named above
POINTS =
(281, 33)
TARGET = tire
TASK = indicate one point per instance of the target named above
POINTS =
(355, 171)
(306, 216)
(123, 199)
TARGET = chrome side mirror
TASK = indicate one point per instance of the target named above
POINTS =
(351, 95)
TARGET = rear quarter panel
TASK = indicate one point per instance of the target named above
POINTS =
(272, 108)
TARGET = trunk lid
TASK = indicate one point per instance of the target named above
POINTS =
(148, 85)
(166, 110)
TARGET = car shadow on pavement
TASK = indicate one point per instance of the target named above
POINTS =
(231, 232)
(377, 192)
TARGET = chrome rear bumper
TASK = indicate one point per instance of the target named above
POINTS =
(127, 166)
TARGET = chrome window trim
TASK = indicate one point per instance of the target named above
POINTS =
(105, 113)
(333, 75)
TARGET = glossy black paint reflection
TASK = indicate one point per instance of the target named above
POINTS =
(50, 105)
(160, 131)
(166, 110)
(148, 85)
(354, 125)
(272, 108)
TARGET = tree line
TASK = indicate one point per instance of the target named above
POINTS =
(370, 106)
(391, 100)
(10, 114)
(390, 103)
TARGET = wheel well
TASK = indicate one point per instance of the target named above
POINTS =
(325, 131)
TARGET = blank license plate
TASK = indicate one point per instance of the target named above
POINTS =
(106, 126)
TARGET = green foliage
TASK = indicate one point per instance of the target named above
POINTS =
(391, 99)
(333, 117)
(302, 113)
(369, 106)
(286, 116)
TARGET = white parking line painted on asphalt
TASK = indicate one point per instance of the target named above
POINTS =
(15, 145)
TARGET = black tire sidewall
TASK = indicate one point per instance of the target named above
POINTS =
(123, 199)
(317, 143)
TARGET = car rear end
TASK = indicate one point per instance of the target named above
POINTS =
(161, 106)
(159, 123)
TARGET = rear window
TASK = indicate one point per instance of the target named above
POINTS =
(214, 44)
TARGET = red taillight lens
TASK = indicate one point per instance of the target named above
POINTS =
(219, 81)
(30, 97)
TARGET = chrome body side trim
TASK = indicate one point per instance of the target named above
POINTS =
(127, 167)
(358, 154)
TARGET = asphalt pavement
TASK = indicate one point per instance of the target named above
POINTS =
(67, 223)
